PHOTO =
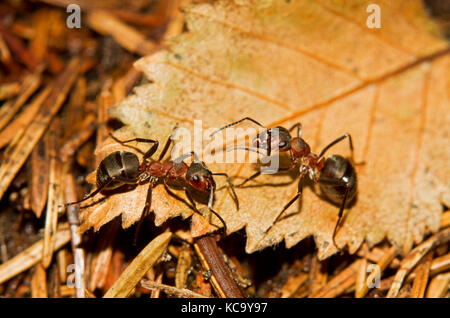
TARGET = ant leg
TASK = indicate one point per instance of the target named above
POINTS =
(342, 206)
(145, 210)
(166, 147)
(91, 204)
(341, 212)
(299, 193)
(260, 172)
(90, 195)
(299, 129)
(244, 148)
(231, 185)
(193, 206)
(235, 123)
(171, 193)
(331, 144)
(253, 176)
(146, 154)
(210, 207)
(188, 195)
(99, 189)
(334, 142)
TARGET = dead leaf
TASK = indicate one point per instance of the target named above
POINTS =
(282, 62)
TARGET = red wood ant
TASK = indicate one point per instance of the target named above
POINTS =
(335, 175)
(122, 168)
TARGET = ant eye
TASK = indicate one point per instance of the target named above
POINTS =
(282, 144)
(195, 179)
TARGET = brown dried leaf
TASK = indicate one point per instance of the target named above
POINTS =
(282, 62)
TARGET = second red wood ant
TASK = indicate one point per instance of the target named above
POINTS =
(335, 175)
(122, 168)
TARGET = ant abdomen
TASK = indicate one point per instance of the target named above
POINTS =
(337, 177)
(119, 165)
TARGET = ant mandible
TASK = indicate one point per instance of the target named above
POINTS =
(123, 168)
(335, 175)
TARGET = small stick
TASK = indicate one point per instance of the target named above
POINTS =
(39, 43)
(24, 118)
(340, 283)
(72, 143)
(17, 48)
(29, 85)
(31, 255)
(53, 197)
(54, 285)
(61, 259)
(381, 266)
(104, 101)
(124, 84)
(438, 286)
(183, 267)
(292, 285)
(445, 221)
(212, 259)
(422, 276)
(170, 290)
(438, 265)
(376, 254)
(17, 156)
(361, 277)
(39, 282)
(72, 216)
(318, 275)
(40, 172)
(134, 272)
(151, 19)
(9, 90)
(414, 256)
(156, 292)
(74, 112)
(5, 56)
(176, 20)
(127, 36)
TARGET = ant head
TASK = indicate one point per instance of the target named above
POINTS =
(199, 177)
(280, 139)
(299, 147)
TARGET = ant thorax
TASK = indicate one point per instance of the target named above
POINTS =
(143, 177)
(311, 164)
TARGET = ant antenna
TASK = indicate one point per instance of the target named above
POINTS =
(235, 198)
(187, 155)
